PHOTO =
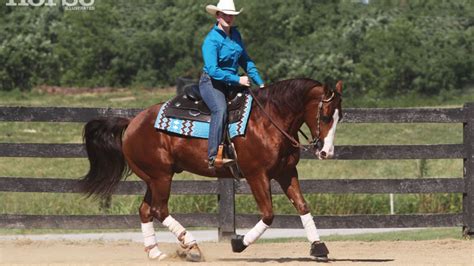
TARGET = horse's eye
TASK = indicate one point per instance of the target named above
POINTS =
(326, 119)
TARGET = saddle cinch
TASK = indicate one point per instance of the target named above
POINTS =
(190, 106)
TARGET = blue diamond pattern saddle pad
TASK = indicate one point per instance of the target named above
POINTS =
(199, 127)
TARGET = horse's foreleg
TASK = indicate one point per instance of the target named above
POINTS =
(262, 194)
(160, 196)
(291, 186)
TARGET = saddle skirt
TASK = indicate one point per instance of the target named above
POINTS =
(188, 115)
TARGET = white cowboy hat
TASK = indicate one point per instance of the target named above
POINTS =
(224, 6)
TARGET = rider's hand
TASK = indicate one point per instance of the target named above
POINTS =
(244, 81)
(262, 86)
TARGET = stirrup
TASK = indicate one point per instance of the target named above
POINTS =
(227, 161)
(220, 161)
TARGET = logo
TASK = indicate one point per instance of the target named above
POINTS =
(67, 4)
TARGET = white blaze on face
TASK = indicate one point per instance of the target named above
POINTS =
(328, 147)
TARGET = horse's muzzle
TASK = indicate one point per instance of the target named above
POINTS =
(321, 153)
(318, 146)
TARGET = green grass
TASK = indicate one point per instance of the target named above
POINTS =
(410, 235)
(415, 235)
(321, 204)
(445, 99)
(120, 98)
(5, 231)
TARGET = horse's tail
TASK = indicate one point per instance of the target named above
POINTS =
(103, 141)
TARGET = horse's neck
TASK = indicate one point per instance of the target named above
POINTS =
(296, 124)
(289, 122)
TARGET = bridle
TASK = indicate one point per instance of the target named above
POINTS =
(315, 141)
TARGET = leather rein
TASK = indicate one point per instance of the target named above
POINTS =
(295, 143)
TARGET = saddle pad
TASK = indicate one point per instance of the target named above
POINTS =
(200, 129)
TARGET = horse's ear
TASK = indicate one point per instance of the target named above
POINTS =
(339, 87)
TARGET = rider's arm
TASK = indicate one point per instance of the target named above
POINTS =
(248, 65)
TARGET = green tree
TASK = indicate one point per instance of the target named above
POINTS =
(380, 49)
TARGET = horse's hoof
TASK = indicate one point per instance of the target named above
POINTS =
(155, 254)
(192, 253)
(237, 243)
(319, 251)
(321, 259)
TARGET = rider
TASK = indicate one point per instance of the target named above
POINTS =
(223, 51)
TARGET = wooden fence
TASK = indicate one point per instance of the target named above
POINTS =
(226, 219)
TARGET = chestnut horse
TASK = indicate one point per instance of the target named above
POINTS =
(268, 150)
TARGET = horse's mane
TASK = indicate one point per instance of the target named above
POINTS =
(287, 95)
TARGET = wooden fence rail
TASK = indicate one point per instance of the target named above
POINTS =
(179, 187)
(225, 189)
(360, 152)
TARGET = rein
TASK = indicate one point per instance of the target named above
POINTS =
(293, 141)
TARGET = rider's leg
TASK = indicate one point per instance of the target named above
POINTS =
(215, 100)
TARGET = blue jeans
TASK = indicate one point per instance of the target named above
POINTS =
(214, 96)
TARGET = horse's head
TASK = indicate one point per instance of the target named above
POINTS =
(322, 115)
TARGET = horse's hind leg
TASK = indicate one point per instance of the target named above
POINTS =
(148, 230)
(289, 183)
(160, 193)
(146, 217)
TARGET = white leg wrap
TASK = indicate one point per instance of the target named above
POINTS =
(189, 239)
(148, 232)
(156, 253)
(310, 227)
(178, 230)
(255, 233)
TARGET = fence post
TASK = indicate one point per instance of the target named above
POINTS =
(468, 196)
(226, 208)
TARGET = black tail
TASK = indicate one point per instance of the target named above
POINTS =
(103, 140)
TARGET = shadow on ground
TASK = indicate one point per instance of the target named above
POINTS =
(302, 259)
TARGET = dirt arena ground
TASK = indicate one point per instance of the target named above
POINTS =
(439, 252)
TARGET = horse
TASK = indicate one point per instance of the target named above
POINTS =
(117, 145)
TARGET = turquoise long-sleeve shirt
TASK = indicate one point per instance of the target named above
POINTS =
(223, 55)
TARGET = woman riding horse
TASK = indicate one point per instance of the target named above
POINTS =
(268, 150)
(223, 51)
